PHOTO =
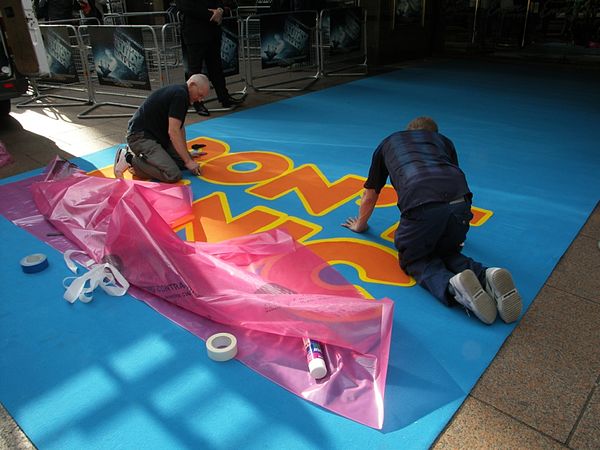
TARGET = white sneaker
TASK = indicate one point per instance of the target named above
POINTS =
(469, 293)
(500, 286)
(121, 164)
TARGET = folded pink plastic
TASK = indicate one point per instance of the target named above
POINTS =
(267, 289)
(5, 157)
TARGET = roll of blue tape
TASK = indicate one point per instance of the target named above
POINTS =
(34, 263)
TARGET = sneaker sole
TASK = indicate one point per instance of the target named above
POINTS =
(484, 307)
(117, 173)
(506, 295)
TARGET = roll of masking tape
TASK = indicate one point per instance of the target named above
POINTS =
(221, 347)
(34, 263)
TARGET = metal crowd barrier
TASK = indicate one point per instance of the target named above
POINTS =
(148, 18)
(68, 66)
(245, 11)
(172, 53)
(75, 21)
(343, 42)
(116, 6)
(165, 25)
(124, 61)
(554, 29)
(285, 51)
(280, 49)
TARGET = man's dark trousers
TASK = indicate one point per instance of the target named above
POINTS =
(429, 240)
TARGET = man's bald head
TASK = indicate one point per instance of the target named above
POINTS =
(198, 87)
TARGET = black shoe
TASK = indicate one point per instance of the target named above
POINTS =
(201, 109)
(231, 101)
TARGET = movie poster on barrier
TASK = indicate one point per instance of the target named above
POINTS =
(60, 54)
(285, 39)
(230, 47)
(408, 12)
(345, 29)
(119, 58)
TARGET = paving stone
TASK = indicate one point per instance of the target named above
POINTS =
(480, 426)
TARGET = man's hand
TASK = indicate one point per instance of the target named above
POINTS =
(217, 15)
(193, 167)
(353, 224)
(367, 205)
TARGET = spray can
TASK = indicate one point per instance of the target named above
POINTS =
(314, 357)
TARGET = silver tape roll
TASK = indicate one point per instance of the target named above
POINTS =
(221, 347)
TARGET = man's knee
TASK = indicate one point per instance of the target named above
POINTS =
(172, 175)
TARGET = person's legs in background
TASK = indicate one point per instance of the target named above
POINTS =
(194, 57)
(214, 65)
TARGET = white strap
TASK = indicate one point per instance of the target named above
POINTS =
(104, 275)
(71, 264)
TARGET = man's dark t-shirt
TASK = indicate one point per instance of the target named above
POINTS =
(422, 166)
(152, 117)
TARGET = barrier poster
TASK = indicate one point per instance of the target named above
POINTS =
(230, 47)
(61, 55)
(345, 29)
(285, 39)
(408, 12)
(119, 58)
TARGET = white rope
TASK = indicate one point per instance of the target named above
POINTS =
(104, 275)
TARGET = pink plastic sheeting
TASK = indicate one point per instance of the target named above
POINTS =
(18, 206)
(5, 157)
(246, 284)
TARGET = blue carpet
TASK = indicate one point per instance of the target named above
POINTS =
(115, 374)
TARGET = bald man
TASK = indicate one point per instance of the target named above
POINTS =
(157, 146)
